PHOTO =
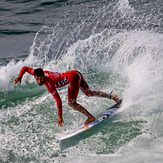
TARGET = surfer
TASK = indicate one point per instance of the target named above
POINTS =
(76, 81)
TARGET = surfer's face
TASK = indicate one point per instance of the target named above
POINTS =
(40, 80)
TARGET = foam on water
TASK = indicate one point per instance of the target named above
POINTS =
(127, 60)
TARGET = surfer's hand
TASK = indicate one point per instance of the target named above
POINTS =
(60, 121)
(18, 79)
(115, 98)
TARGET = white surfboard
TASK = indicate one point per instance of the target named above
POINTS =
(99, 118)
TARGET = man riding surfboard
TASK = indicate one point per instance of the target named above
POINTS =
(76, 81)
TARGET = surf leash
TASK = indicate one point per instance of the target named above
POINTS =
(110, 94)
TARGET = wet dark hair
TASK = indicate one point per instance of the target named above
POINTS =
(39, 72)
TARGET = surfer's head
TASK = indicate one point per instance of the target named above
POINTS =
(39, 76)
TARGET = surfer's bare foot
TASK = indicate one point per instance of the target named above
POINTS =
(115, 98)
(89, 120)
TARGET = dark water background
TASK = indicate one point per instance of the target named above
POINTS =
(116, 44)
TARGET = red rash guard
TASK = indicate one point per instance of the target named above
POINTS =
(53, 80)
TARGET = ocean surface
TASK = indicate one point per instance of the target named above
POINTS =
(115, 44)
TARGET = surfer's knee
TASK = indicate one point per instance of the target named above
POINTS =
(72, 103)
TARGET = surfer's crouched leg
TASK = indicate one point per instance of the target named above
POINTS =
(81, 109)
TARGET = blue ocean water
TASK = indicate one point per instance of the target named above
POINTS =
(116, 44)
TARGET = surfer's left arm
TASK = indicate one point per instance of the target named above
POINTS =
(59, 106)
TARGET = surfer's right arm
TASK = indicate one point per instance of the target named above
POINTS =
(22, 72)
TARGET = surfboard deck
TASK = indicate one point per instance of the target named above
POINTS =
(99, 118)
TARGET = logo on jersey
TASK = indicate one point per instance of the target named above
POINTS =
(46, 74)
(49, 84)
(56, 74)
(62, 82)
